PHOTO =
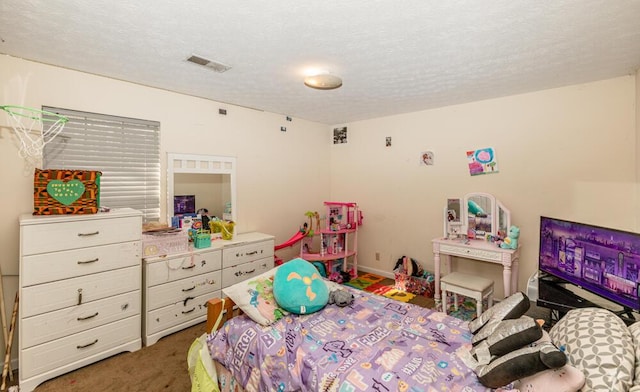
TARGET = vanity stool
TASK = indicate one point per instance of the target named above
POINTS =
(470, 286)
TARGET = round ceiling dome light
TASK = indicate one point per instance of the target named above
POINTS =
(323, 81)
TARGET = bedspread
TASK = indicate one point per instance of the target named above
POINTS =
(375, 344)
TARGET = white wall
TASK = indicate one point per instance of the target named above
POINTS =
(568, 153)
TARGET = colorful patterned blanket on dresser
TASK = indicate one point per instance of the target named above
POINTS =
(375, 344)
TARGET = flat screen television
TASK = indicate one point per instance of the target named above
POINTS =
(184, 204)
(599, 260)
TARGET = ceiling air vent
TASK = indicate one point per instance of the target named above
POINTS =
(214, 65)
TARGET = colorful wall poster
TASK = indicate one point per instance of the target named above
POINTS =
(482, 161)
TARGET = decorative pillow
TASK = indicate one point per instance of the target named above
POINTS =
(520, 363)
(510, 335)
(299, 288)
(511, 307)
(564, 379)
(599, 344)
(255, 298)
(634, 329)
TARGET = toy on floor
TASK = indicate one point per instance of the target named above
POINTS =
(511, 242)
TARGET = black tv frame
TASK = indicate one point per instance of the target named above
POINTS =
(556, 286)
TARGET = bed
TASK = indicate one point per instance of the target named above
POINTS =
(289, 329)
(374, 344)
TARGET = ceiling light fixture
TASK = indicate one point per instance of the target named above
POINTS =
(323, 81)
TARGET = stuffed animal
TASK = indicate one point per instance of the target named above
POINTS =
(508, 345)
(341, 298)
(564, 379)
(511, 242)
(299, 288)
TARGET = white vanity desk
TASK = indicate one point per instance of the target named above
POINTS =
(476, 250)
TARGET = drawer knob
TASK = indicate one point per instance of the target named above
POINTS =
(189, 289)
(87, 345)
(188, 311)
(252, 253)
(87, 317)
(189, 267)
(88, 234)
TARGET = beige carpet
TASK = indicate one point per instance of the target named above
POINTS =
(160, 367)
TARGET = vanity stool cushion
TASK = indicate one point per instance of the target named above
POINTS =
(598, 343)
(468, 285)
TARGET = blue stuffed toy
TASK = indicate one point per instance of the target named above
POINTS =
(511, 242)
(299, 288)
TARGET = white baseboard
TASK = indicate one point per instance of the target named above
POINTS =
(386, 274)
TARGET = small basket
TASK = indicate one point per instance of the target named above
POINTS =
(162, 244)
(202, 239)
(223, 227)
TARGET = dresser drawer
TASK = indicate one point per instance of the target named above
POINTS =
(237, 255)
(42, 238)
(177, 313)
(57, 353)
(180, 290)
(62, 294)
(53, 325)
(49, 267)
(174, 268)
(481, 254)
(238, 273)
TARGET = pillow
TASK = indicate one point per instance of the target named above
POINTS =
(511, 307)
(510, 335)
(299, 288)
(254, 297)
(564, 379)
(635, 335)
(599, 344)
(520, 363)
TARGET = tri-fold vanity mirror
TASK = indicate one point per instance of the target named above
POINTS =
(476, 216)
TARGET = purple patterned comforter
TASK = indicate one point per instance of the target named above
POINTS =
(375, 344)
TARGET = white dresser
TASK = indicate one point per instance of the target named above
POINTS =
(80, 291)
(177, 287)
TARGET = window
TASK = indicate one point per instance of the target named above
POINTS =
(125, 150)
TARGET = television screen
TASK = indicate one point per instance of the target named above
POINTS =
(600, 260)
(184, 204)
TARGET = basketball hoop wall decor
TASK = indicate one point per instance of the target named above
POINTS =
(34, 128)
(58, 192)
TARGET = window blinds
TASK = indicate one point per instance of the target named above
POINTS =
(125, 150)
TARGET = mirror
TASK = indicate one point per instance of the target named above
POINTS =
(210, 179)
(504, 220)
(480, 215)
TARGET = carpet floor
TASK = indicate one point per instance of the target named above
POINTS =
(160, 367)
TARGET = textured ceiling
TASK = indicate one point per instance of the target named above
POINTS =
(393, 56)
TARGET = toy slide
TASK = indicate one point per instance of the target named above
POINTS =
(296, 237)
